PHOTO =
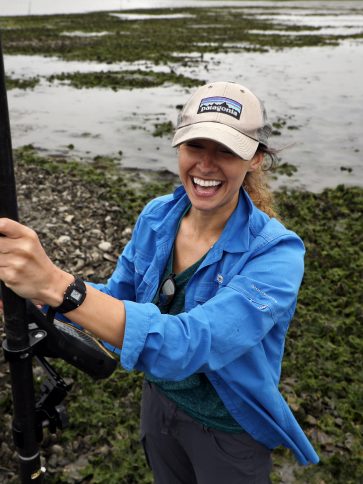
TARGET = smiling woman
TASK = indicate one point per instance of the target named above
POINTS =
(225, 155)
(200, 302)
(213, 175)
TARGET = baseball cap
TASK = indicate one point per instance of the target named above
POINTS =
(227, 113)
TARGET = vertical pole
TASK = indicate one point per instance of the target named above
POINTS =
(16, 346)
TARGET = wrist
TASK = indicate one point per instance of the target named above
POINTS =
(73, 297)
(58, 283)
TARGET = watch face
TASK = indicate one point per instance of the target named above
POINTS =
(75, 295)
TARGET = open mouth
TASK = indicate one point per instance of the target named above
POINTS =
(206, 187)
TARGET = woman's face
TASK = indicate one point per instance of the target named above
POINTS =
(212, 174)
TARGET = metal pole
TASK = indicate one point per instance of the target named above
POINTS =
(17, 346)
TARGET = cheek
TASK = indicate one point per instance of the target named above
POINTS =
(235, 174)
(241, 176)
(185, 164)
(236, 183)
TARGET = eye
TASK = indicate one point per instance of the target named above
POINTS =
(227, 152)
(193, 144)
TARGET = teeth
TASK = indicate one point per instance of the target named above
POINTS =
(206, 183)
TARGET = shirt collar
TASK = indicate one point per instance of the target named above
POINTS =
(235, 236)
(165, 221)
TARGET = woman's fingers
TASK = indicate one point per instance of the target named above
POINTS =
(12, 229)
(24, 265)
(17, 242)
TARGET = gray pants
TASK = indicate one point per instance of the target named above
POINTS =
(179, 450)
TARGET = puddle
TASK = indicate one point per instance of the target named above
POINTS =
(345, 31)
(317, 90)
(25, 66)
(311, 19)
(139, 16)
(326, 22)
(329, 20)
(85, 34)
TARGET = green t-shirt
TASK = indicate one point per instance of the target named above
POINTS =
(195, 395)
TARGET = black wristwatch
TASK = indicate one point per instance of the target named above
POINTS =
(74, 296)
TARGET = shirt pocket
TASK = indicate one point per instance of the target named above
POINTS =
(205, 291)
(146, 275)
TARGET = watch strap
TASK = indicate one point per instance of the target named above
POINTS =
(73, 297)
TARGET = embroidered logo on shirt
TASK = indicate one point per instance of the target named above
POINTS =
(263, 294)
(222, 105)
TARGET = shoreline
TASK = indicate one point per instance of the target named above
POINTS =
(105, 85)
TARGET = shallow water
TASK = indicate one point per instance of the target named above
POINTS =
(329, 22)
(40, 7)
(316, 90)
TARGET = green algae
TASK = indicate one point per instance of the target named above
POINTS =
(158, 40)
(163, 129)
(325, 339)
(12, 83)
(284, 169)
(321, 374)
(171, 41)
(126, 79)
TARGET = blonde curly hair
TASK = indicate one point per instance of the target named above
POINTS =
(255, 183)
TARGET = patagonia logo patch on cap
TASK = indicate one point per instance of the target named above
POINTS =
(222, 105)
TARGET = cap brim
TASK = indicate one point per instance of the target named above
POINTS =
(244, 146)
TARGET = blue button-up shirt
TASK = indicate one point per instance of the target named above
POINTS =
(238, 306)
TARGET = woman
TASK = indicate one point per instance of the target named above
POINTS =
(200, 300)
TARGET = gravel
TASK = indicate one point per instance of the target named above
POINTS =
(82, 233)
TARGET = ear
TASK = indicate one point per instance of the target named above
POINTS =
(256, 161)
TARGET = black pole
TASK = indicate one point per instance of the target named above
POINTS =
(17, 347)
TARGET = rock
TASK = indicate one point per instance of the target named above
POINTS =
(311, 420)
(61, 209)
(57, 449)
(105, 246)
(109, 257)
(73, 470)
(63, 240)
(126, 232)
(69, 218)
(95, 256)
(70, 221)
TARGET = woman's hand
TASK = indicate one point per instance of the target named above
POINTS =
(25, 267)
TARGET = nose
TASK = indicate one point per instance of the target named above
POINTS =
(207, 161)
